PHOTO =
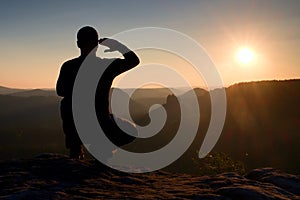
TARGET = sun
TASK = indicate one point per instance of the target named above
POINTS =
(245, 55)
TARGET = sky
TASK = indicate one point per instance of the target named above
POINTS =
(38, 36)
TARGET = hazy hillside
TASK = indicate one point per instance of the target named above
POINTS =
(29, 125)
(35, 92)
(5, 90)
(26, 92)
(261, 128)
(263, 124)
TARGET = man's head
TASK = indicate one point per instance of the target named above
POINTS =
(87, 39)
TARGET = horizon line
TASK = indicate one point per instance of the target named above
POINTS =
(194, 87)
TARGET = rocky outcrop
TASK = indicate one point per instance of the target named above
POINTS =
(51, 176)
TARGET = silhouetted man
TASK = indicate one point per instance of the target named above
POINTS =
(87, 41)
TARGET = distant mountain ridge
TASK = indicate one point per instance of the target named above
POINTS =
(6, 90)
(159, 91)
(26, 92)
(34, 92)
(148, 92)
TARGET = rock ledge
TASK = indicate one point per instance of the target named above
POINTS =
(53, 176)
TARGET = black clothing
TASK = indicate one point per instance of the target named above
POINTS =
(64, 88)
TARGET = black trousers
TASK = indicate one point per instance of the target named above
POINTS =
(108, 124)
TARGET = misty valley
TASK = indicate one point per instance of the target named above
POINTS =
(261, 127)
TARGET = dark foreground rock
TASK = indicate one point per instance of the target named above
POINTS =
(50, 176)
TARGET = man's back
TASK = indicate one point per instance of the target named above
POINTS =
(67, 76)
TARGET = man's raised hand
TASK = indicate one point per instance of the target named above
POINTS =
(112, 44)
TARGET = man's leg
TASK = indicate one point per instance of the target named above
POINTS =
(72, 140)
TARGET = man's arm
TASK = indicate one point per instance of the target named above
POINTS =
(130, 58)
(60, 85)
